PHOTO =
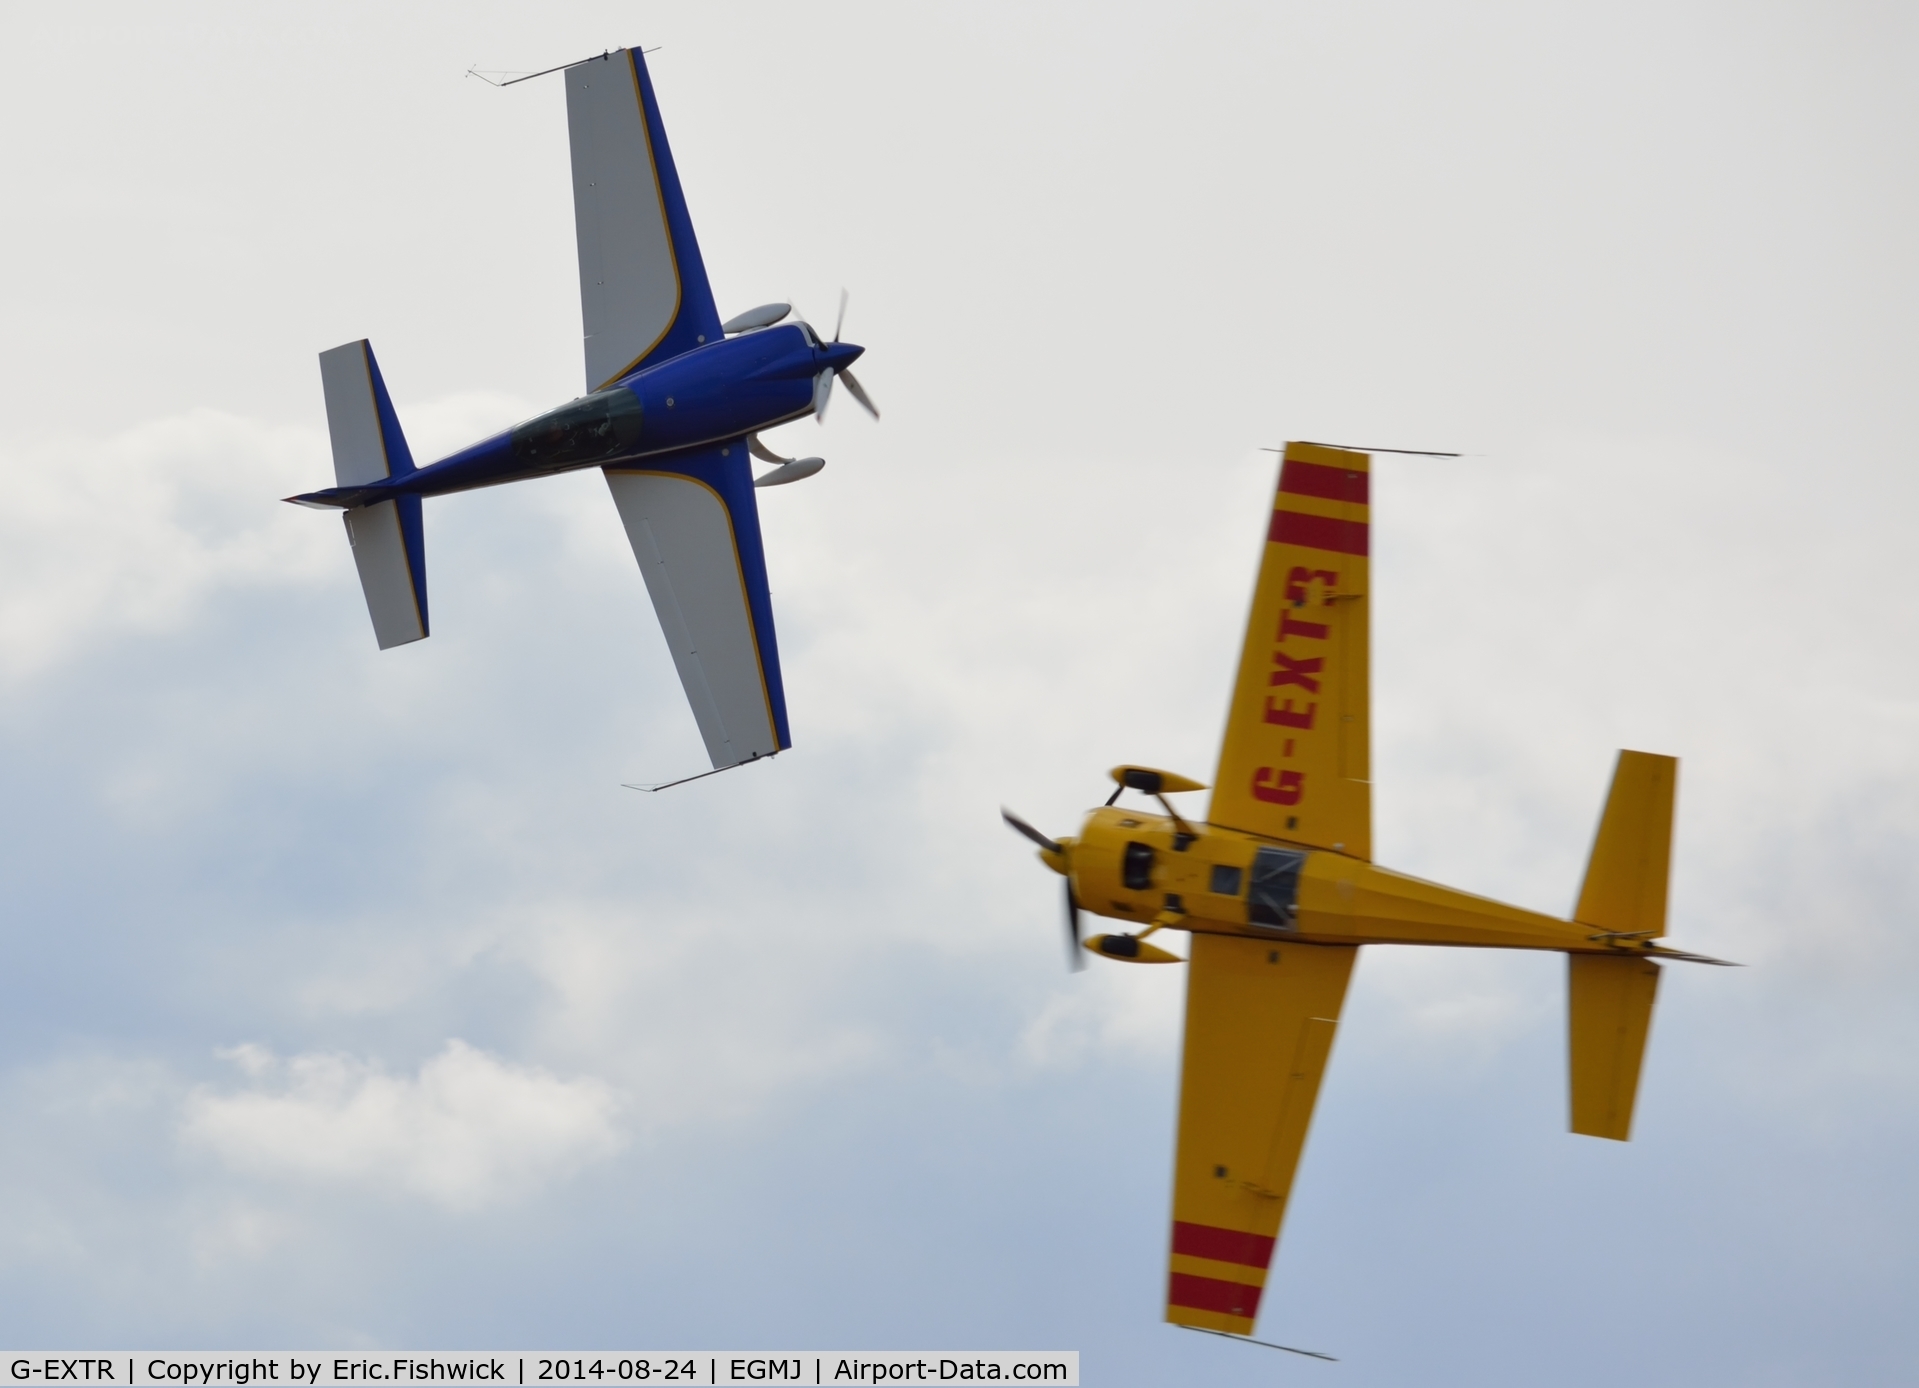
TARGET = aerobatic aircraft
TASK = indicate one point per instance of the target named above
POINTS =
(1278, 889)
(674, 405)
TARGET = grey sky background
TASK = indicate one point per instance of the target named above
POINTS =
(346, 999)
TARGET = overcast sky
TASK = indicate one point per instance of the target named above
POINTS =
(346, 998)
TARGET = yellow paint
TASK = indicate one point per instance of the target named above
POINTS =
(1272, 953)
(1609, 1010)
(1341, 900)
(1169, 783)
(1223, 1272)
(1210, 1320)
(1260, 1017)
(1625, 888)
(1147, 954)
(1304, 741)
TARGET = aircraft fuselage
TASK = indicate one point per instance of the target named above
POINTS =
(1140, 868)
(722, 391)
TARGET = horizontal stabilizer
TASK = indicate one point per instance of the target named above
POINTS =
(384, 539)
(367, 443)
(1609, 1009)
(388, 538)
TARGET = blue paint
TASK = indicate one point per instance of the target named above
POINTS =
(399, 462)
(731, 475)
(717, 393)
(697, 322)
(696, 393)
(399, 458)
(413, 533)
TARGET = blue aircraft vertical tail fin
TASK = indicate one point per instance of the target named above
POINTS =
(388, 537)
(643, 289)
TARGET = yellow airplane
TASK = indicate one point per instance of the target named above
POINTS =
(1278, 889)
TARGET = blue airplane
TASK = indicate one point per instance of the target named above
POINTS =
(674, 405)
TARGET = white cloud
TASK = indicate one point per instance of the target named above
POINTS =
(131, 532)
(468, 1130)
(136, 532)
(1683, 529)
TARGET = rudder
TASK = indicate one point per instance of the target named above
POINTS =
(1625, 889)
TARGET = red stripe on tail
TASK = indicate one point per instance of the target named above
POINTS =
(1318, 532)
(1316, 479)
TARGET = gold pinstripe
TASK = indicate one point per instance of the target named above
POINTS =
(672, 254)
(766, 694)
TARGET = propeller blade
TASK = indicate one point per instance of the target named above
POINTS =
(859, 393)
(840, 322)
(1075, 957)
(806, 325)
(822, 393)
(1020, 826)
(1077, 961)
(765, 316)
(762, 452)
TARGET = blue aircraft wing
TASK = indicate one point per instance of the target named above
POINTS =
(694, 524)
(643, 290)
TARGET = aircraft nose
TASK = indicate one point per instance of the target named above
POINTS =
(840, 355)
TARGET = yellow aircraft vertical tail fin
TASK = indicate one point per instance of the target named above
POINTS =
(1625, 889)
(1295, 763)
(1610, 996)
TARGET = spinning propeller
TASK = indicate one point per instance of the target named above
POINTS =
(1058, 855)
(765, 316)
(823, 383)
(1075, 960)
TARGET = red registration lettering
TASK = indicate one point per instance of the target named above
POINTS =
(1299, 672)
(1315, 631)
(1291, 785)
(1286, 716)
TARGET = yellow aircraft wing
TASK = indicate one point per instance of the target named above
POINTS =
(1295, 763)
(1260, 1017)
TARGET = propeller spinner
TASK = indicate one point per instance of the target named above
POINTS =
(1057, 855)
(823, 383)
